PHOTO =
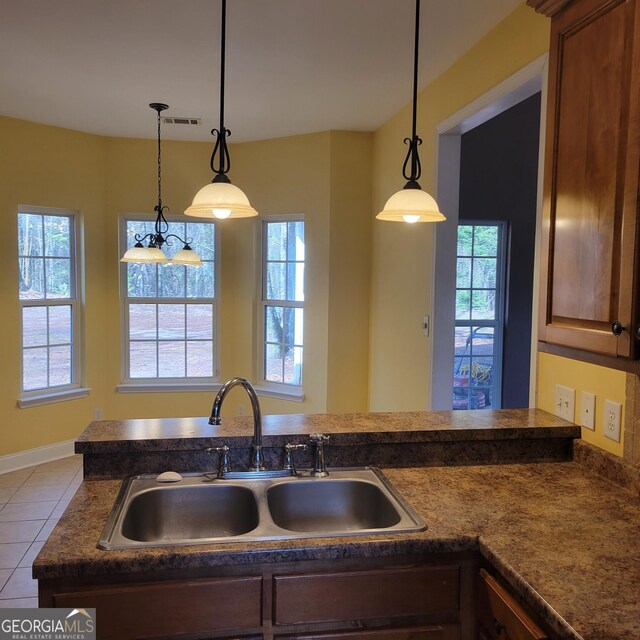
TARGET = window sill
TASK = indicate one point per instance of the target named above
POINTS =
(166, 387)
(296, 395)
(48, 397)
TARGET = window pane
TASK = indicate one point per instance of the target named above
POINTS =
(463, 273)
(481, 371)
(484, 273)
(274, 324)
(296, 241)
(299, 326)
(202, 237)
(30, 239)
(463, 299)
(465, 237)
(295, 281)
(483, 305)
(171, 281)
(143, 360)
(34, 326)
(171, 359)
(57, 237)
(58, 277)
(59, 366)
(276, 280)
(276, 241)
(200, 322)
(141, 280)
(200, 281)
(273, 363)
(483, 341)
(31, 274)
(485, 240)
(289, 325)
(142, 228)
(199, 363)
(60, 325)
(142, 322)
(293, 365)
(171, 322)
(34, 368)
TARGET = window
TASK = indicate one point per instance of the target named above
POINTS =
(169, 311)
(479, 316)
(48, 294)
(283, 301)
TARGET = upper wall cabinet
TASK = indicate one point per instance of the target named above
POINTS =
(589, 277)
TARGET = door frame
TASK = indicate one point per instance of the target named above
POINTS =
(518, 87)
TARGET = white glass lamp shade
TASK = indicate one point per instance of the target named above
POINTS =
(411, 205)
(221, 200)
(145, 255)
(187, 256)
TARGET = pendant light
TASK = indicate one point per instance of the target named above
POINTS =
(412, 204)
(153, 252)
(220, 199)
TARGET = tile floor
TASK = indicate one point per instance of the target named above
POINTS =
(31, 502)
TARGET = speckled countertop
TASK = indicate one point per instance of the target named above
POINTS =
(355, 428)
(567, 541)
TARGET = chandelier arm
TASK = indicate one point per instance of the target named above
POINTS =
(177, 237)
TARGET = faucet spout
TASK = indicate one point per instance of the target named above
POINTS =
(257, 458)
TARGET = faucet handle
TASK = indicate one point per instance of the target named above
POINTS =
(289, 448)
(225, 462)
(318, 438)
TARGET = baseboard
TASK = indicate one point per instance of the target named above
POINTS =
(39, 455)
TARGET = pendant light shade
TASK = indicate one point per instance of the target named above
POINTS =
(145, 255)
(221, 199)
(411, 204)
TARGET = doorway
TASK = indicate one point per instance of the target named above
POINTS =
(488, 158)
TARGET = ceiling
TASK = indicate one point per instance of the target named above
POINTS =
(293, 66)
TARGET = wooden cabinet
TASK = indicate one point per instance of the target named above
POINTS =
(590, 262)
(413, 599)
(500, 616)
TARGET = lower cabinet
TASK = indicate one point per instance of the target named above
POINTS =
(285, 602)
(501, 616)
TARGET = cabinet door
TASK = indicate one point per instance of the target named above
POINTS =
(589, 266)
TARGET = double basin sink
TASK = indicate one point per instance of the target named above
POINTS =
(198, 510)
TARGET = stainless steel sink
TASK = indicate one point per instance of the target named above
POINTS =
(196, 510)
(331, 505)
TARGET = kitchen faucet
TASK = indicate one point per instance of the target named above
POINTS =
(257, 459)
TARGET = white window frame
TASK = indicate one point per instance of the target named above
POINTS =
(279, 390)
(75, 389)
(165, 385)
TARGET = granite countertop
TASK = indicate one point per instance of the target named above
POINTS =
(565, 539)
(356, 428)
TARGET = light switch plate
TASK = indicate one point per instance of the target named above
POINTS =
(565, 403)
(612, 418)
(588, 410)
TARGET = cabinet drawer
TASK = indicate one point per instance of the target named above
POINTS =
(168, 608)
(358, 595)
(501, 616)
(404, 633)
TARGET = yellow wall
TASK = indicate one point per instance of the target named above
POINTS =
(46, 166)
(606, 384)
(402, 271)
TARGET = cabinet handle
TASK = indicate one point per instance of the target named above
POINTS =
(498, 627)
(617, 328)
(637, 332)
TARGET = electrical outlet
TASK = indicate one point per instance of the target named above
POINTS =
(565, 403)
(588, 410)
(241, 409)
(612, 416)
(97, 413)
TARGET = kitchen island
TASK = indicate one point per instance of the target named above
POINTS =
(564, 540)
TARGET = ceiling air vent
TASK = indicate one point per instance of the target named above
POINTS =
(177, 120)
